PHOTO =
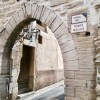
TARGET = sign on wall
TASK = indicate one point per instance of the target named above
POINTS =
(79, 23)
(79, 27)
(79, 18)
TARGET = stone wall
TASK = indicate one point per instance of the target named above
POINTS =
(48, 62)
(84, 78)
(80, 77)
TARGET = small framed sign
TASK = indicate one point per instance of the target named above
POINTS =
(79, 27)
(79, 18)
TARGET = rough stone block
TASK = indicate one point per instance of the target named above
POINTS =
(91, 96)
(4, 62)
(87, 51)
(70, 91)
(10, 2)
(24, 10)
(67, 47)
(14, 55)
(70, 56)
(87, 75)
(73, 4)
(14, 79)
(28, 9)
(3, 70)
(60, 31)
(6, 35)
(1, 49)
(3, 90)
(56, 24)
(58, 2)
(15, 6)
(71, 65)
(50, 19)
(9, 28)
(2, 5)
(15, 92)
(13, 87)
(88, 56)
(38, 12)
(14, 72)
(64, 38)
(92, 69)
(91, 84)
(2, 40)
(16, 17)
(2, 15)
(6, 9)
(12, 22)
(1, 28)
(88, 63)
(21, 15)
(44, 15)
(15, 64)
(84, 39)
(87, 67)
(3, 81)
(9, 14)
(75, 82)
(77, 11)
(85, 93)
(69, 74)
(34, 7)
(85, 44)
(72, 98)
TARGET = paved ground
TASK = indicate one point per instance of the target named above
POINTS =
(54, 94)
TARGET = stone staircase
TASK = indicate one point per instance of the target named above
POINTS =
(45, 93)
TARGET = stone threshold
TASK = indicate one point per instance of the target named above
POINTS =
(34, 94)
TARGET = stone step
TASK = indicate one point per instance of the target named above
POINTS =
(32, 95)
(24, 90)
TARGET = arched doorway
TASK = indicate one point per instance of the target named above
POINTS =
(24, 16)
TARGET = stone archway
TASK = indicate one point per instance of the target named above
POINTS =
(24, 16)
(15, 57)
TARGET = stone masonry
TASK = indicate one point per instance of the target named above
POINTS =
(80, 51)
